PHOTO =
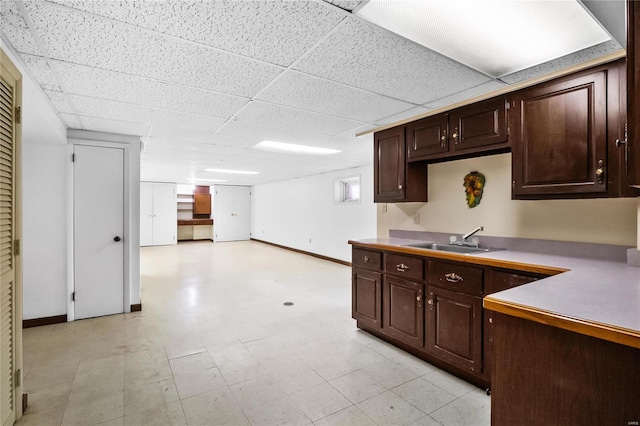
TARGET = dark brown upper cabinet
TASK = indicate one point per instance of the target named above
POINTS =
(560, 137)
(394, 179)
(632, 137)
(476, 129)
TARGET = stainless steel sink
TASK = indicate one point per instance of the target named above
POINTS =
(452, 248)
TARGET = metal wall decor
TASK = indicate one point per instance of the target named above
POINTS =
(474, 185)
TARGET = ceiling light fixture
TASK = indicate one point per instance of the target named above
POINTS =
(497, 37)
(206, 180)
(293, 148)
(235, 172)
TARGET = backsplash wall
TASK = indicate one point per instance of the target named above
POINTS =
(604, 221)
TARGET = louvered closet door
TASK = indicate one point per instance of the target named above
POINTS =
(9, 264)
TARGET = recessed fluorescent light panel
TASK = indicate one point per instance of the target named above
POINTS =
(497, 37)
(207, 180)
(235, 172)
(293, 148)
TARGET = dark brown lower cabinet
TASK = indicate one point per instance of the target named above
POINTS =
(548, 376)
(454, 328)
(366, 294)
(403, 316)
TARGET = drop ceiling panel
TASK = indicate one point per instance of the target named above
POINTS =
(368, 57)
(467, 94)
(180, 135)
(114, 126)
(264, 114)
(566, 61)
(275, 32)
(16, 29)
(60, 102)
(40, 70)
(345, 4)
(115, 86)
(404, 115)
(71, 121)
(92, 107)
(89, 40)
(303, 91)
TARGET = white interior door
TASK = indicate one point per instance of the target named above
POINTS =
(242, 213)
(165, 222)
(146, 214)
(98, 230)
(232, 213)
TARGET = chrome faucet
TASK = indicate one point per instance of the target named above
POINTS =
(465, 238)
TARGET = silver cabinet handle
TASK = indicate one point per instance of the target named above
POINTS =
(402, 267)
(453, 277)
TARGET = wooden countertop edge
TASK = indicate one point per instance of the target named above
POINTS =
(619, 335)
(505, 264)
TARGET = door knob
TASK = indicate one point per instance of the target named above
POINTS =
(116, 239)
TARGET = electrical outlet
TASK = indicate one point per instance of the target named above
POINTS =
(384, 207)
(416, 217)
(309, 240)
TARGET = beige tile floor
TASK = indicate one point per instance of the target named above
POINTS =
(214, 345)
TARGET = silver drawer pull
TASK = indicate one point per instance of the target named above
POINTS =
(365, 259)
(453, 277)
(402, 267)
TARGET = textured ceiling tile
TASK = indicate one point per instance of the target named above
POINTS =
(467, 94)
(263, 114)
(97, 124)
(585, 55)
(404, 115)
(41, 72)
(60, 102)
(273, 31)
(115, 86)
(89, 40)
(71, 121)
(315, 94)
(365, 56)
(16, 30)
(92, 107)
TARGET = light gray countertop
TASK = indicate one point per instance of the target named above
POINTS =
(594, 297)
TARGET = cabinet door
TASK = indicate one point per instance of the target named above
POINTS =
(479, 125)
(560, 137)
(366, 298)
(202, 204)
(403, 316)
(164, 214)
(427, 137)
(633, 85)
(389, 165)
(454, 328)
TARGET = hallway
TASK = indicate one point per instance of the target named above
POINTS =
(215, 344)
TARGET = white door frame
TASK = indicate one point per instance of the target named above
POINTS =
(128, 240)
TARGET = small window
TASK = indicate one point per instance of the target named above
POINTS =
(347, 190)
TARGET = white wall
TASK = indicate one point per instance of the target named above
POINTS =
(605, 221)
(44, 180)
(301, 213)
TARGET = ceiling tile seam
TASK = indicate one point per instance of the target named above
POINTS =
(149, 107)
(279, 76)
(425, 105)
(170, 36)
(155, 80)
(26, 71)
(25, 15)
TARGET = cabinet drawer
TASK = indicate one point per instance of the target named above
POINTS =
(366, 259)
(407, 267)
(501, 280)
(456, 277)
